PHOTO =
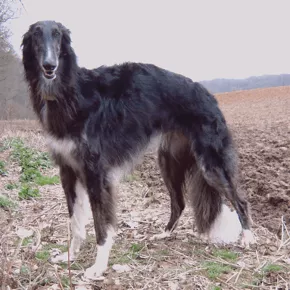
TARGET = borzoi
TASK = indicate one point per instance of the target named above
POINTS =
(98, 122)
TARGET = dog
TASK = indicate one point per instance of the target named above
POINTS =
(99, 122)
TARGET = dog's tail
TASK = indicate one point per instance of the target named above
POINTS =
(214, 177)
(207, 190)
(206, 200)
(185, 168)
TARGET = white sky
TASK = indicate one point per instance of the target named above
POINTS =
(200, 39)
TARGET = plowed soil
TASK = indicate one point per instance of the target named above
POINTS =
(260, 121)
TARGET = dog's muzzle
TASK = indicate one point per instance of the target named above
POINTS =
(49, 69)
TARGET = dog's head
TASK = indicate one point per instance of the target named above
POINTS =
(45, 43)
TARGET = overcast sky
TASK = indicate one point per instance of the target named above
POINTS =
(200, 39)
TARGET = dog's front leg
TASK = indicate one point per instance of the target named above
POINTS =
(101, 196)
(79, 212)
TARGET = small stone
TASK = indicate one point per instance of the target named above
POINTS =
(121, 268)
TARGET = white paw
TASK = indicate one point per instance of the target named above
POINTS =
(247, 238)
(227, 228)
(61, 258)
(94, 273)
(160, 236)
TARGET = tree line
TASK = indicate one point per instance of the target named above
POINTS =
(255, 82)
(14, 100)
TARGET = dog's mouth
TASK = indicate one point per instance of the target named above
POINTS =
(49, 74)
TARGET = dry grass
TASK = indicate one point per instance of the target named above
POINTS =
(182, 261)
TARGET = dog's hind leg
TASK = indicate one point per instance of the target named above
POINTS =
(101, 196)
(174, 159)
(79, 212)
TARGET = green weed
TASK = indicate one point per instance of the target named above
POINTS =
(2, 147)
(42, 255)
(65, 281)
(2, 168)
(226, 254)
(26, 241)
(31, 162)
(11, 186)
(123, 259)
(5, 202)
(24, 270)
(216, 288)
(270, 268)
(29, 175)
(135, 250)
(214, 269)
(132, 253)
(28, 192)
(47, 180)
(29, 157)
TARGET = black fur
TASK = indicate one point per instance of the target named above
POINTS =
(111, 114)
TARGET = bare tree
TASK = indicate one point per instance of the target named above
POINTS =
(13, 90)
(6, 14)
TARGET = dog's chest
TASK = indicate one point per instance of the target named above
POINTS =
(64, 148)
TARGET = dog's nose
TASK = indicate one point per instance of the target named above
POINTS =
(49, 66)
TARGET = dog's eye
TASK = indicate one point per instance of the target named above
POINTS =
(56, 33)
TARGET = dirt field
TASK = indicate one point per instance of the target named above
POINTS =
(31, 229)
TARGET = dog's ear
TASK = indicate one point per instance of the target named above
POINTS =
(27, 37)
(66, 35)
(66, 40)
(27, 55)
(26, 40)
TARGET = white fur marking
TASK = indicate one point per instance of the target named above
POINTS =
(63, 147)
(116, 174)
(49, 53)
(247, 238)
(79, 220)
(81, 212)
(226, 228)
(100, 266)
(46, 88)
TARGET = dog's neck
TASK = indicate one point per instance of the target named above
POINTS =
(56, 101)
